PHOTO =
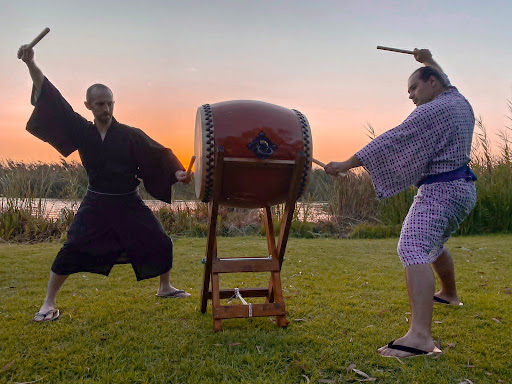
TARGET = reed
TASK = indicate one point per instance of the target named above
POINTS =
(352, 200)
(24, 188)
(351, 205)
(356, 212)
(493, 209)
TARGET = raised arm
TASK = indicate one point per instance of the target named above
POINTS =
(27, 55)
(424, 56)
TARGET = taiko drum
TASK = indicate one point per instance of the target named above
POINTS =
(248, 129)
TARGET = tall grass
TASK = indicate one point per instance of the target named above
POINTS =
(23, 213)
(353, 206)
(493, 209)
(191, 219)
(351, 203)
(24, 188)
(353, 200)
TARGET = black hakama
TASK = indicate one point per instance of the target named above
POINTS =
(112, 225)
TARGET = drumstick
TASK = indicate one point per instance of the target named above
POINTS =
(38, 38)
(318, 162)
(395, 50)
(323, 165)
(190, 165)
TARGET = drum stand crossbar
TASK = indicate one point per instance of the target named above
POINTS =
(214, 266)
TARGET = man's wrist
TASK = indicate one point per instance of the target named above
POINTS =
(354, 162)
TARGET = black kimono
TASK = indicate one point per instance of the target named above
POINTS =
(112, 222)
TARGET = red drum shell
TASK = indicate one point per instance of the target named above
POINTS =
(235, 124)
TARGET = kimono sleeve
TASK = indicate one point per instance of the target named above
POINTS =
(157, 165)
(54, 121)
(400, 157)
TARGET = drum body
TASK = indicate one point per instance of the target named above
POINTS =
(251, 130)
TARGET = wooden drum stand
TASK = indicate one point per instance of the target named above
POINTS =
(274, 304)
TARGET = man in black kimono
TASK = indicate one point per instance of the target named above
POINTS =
(112, 225)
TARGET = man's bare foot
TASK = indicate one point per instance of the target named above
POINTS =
(50, 315)
(439, 297)
(46, 307)
(413, 347)
(173, 292)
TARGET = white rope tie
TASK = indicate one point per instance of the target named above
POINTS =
(112, 194)
(237, 295)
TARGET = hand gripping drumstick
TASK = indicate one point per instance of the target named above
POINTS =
(395, 50)
(38, 38)
(323, 166)
(190, 165)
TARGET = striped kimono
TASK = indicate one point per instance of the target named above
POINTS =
(433, 141)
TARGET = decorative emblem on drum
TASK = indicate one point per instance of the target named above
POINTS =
(262, 146)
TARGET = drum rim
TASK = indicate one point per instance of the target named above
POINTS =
(307, 141)
(207, 158)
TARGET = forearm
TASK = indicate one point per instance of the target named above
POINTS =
(354, 162)
(26, 54)
(36, 74)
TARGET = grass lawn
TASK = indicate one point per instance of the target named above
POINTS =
(345, 298)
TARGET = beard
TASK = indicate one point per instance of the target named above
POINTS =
(104, 118)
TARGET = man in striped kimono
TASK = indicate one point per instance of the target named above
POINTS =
(430, 149)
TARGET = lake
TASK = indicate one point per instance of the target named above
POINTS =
(53, 208)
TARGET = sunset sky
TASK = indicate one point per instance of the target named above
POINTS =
(163, 59)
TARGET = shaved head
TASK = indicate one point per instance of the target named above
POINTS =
(100, 101)
(95, 89)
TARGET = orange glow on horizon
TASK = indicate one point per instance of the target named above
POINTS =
(337, 133)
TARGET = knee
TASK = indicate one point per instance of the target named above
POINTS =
(410, 254)
(403, 254)
(403, 248)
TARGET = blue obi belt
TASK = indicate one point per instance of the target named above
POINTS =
(463, 172)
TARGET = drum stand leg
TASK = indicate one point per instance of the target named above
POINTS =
(211, 247)
(275, 293)
(274, 305)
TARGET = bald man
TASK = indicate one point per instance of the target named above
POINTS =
(430, 149)
(112, 225)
